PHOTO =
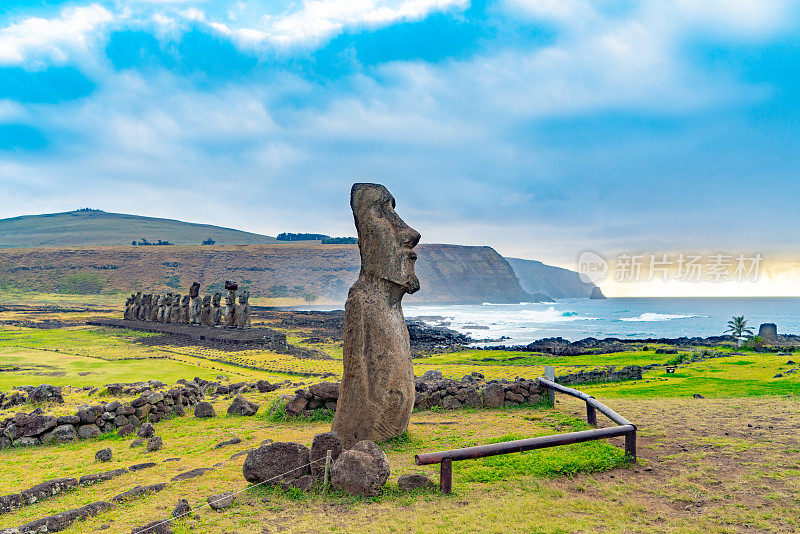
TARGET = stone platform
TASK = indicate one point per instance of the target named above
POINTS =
(272, 339)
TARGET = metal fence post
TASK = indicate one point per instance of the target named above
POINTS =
(550, 374)
(630, 444)
(446, 475)
(591, 415)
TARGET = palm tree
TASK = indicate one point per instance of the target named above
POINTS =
(738, 327)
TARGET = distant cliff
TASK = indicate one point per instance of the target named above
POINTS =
(450, 274)
(536, 277)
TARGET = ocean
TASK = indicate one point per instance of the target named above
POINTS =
(625, 318)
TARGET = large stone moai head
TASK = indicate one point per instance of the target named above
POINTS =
(376, 394)
(194, 291)
(385, 241)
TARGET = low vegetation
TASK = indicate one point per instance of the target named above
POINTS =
(727, 462)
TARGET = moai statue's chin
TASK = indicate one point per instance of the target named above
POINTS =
(377, 391)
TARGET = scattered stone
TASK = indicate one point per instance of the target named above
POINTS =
(126, 430)
(362, 470)
(147, 430)
(156, 527)
(137, 442)
(137, 491)
(296, 405)
(325, 390)
(45, 393)
(204, 410)
(186, 475)
(432, 374)
(48, 489)
(182, 508)
(242, 406)
(139, 467)
(232, 441)
(88, 480)
(276, 461)
(697, 396)
(221, 502)
(154, 444)
(61, 521)
(60, 434)
(319, 447)
(103, 455)
(414, 482)
(172, 460)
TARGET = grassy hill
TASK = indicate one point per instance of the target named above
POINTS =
(95, 227)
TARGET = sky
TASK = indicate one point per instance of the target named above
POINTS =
(540, 127)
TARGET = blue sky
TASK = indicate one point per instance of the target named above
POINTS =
(541, 127)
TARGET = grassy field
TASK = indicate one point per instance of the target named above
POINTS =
(725, 463)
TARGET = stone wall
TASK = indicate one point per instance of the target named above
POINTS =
(472, 391)
(35, 428)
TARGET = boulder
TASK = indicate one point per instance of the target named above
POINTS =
(431, 375)
(181, 509)
(204, 410)
(242, 406)
(319, 447)
(156, 527)
(221, 502)
(103, 455)
(325, 390)
(60, 434)
(362, 470)
(275, 462)
(88, 431)
(296, 405)
(126, 430)
(48, 489)
(154, 444)
(414, 482)
(45, 393)
(147, 430)
(493, 396)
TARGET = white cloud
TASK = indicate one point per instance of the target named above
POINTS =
(55, 40)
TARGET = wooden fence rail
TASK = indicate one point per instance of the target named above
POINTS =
(623, 428)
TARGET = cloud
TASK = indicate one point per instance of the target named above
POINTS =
(57, 40)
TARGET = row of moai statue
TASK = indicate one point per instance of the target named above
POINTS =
(191, 309)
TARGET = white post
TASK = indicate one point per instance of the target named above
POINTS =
(550, 374)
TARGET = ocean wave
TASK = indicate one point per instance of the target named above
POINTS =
(655, 317)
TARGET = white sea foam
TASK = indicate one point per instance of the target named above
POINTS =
(654, 317)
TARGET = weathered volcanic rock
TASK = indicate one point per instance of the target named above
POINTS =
(362, 470)
(275, 462)
(242, 406)
(221, 502)
(204, 410)
(103, 455)
(319, 447)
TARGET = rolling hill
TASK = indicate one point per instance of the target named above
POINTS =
(88, 228)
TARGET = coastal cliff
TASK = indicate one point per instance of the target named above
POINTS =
(536, 277)
(450, 274)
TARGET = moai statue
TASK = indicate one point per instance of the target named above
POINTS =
(215, 316)
(145, 315)
(129, 302)
(162, 303)
(205, 311)
(137, 304)
(153, 315)
(183, 317)
(229, 313)
(376, 394)
(175, 309)
(195, 304)
(243, 310)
